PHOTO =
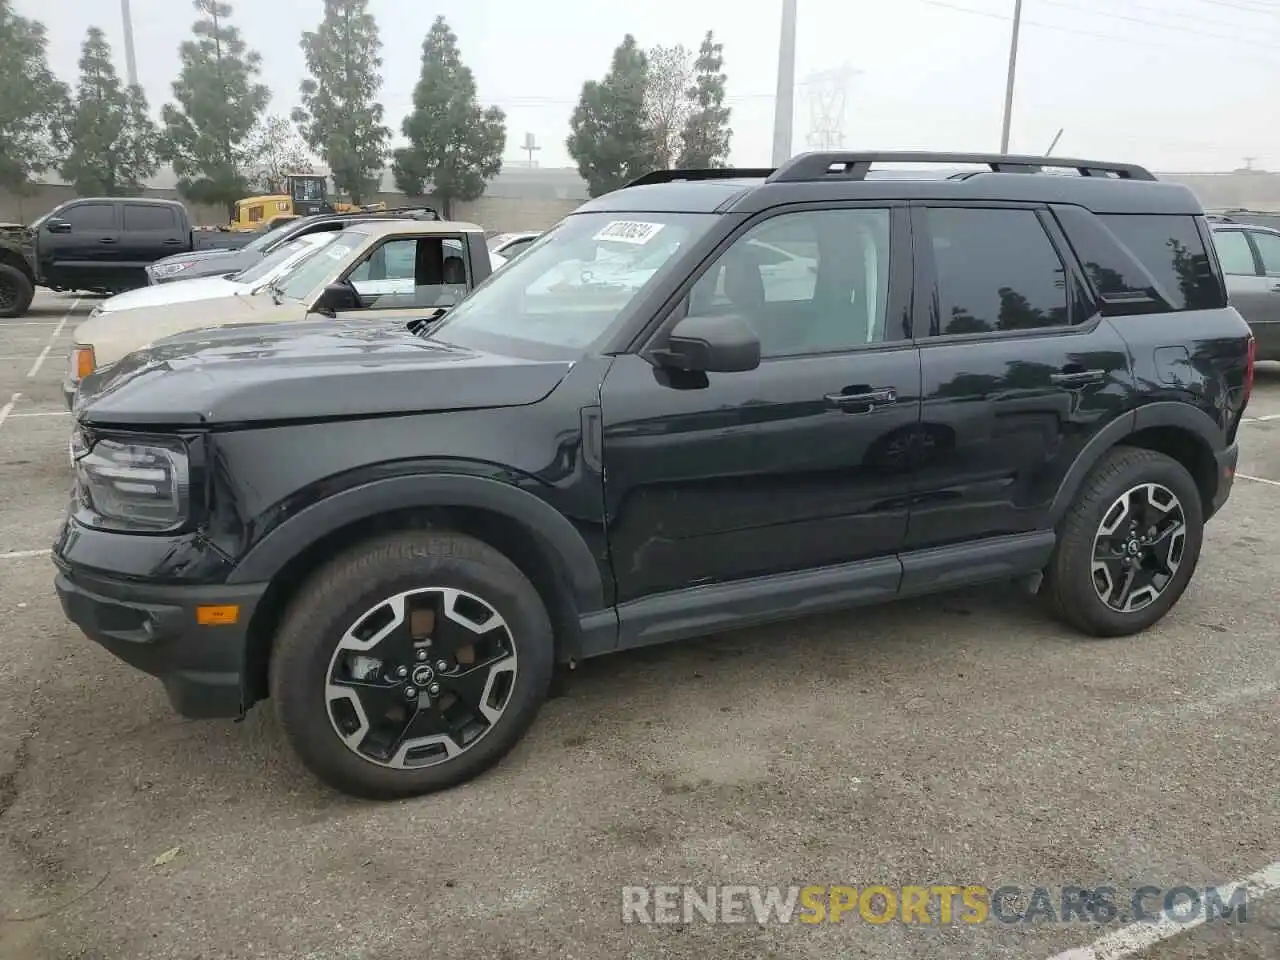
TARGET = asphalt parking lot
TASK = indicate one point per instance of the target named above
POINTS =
(960, 740)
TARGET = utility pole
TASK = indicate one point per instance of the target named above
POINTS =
(1013, 69)
(130, 61)
(784, 100)
(530, 146)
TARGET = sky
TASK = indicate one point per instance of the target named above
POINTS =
(1176, 85)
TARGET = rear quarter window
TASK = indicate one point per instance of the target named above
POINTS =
(1172, 251)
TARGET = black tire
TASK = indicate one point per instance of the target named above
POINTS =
(353, 583)
(16, 292)
(1069, 581)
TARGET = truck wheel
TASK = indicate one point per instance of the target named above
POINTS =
(411, 664)
(1128, 546)
(16, 291)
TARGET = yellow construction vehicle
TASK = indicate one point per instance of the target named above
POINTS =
(305, 194)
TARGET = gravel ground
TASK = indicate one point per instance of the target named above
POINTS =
(958, 740)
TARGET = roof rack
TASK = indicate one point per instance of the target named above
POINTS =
(856, 166)
(709, 173)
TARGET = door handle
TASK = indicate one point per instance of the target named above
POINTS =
(1275, 288)
(107, 240)
(1075, 378)
(870, 398)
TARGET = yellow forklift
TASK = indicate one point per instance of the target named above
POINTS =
(305, 194)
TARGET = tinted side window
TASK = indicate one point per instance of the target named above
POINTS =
(1234, 252)
(1173, 253)
(146, 217)
(1269, 251)
(812, 282)
(91, 216)
(996, 270)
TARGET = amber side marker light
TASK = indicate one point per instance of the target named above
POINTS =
(218, 615)
(83, 363)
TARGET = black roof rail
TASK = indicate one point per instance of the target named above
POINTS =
(709, 173)
(856, 166)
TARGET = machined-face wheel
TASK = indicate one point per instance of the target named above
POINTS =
(1138, 547)
(420, 678)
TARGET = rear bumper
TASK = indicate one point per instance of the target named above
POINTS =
(1226, 458)
(154, 628)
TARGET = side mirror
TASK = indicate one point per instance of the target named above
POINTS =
(712, 344)
(337, 296)
(55, 225)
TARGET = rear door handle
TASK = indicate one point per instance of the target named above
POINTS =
(1074, 378)
(869, 399)
(172, 242)
(1275, 288)
(107, 240)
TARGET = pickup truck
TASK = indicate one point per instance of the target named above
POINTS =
(104, 244)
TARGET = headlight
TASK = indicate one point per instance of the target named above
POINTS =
(158, 270)
(133, 485)
(82, 362)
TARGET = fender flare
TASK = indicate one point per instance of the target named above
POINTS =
(1182, 416)
(269, 555)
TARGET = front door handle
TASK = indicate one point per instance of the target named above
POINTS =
(869, 398)
(107, 240)
(1075, 378)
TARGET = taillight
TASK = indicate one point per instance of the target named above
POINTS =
(1248, 370)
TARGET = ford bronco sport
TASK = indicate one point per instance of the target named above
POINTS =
(706, 400)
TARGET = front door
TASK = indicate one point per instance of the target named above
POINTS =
(791, 466)
(408, 277)
(1018, 373)
(88, 254)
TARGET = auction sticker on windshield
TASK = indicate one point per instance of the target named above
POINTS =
(629, 231)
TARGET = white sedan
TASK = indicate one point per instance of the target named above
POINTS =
(209, 288)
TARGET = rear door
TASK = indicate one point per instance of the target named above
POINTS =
(150, 231)
(1018, 371)
(1255, 295)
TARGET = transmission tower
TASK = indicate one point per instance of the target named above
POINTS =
(828, 94)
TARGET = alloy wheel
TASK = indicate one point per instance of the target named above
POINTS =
(420, 677)
(1138, 547)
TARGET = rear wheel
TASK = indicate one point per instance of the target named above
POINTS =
(16, 291)
(411, 664)
(1128, 546)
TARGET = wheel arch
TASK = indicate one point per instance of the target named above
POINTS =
(531, 533)
(12, 258)
(1178, 430)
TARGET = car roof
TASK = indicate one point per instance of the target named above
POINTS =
(381, 228)
(1102, 187)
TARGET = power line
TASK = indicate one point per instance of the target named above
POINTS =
(1155, 23)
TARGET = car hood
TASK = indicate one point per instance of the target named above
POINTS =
(196, 256)
(327, 369)
(224, 262)
(180, 291)
(113, 335)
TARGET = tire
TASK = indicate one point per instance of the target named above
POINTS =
(1073, 583)
(16, 292)
(319, 632)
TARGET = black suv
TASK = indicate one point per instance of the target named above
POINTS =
(707, 400)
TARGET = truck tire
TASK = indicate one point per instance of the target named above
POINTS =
(1128, 546)
(16, 292)
(410, 664)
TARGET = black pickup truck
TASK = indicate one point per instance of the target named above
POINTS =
(103, 245)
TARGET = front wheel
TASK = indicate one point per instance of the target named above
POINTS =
(411, 664)
(16, 292)
(1128, 546)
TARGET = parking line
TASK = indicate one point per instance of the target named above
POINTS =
(1137, 937)
(35, 367)
(1270, 483)
(25, 554)
(30, 356)
(42, 413)
(8, 408)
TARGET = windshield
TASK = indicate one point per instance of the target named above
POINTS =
(319, 267)
(566, 291)
(282, 256)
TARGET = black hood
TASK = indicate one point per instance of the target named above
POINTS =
(325, 369)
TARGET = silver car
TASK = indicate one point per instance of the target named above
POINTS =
(1250, 257)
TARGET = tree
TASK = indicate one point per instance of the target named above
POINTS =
(111, 141)
(455, 145)
(31, 101)
(667, 101)
(706, 131)
(218, 105)
(340, 118)
(271, 151)
(609, 138)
